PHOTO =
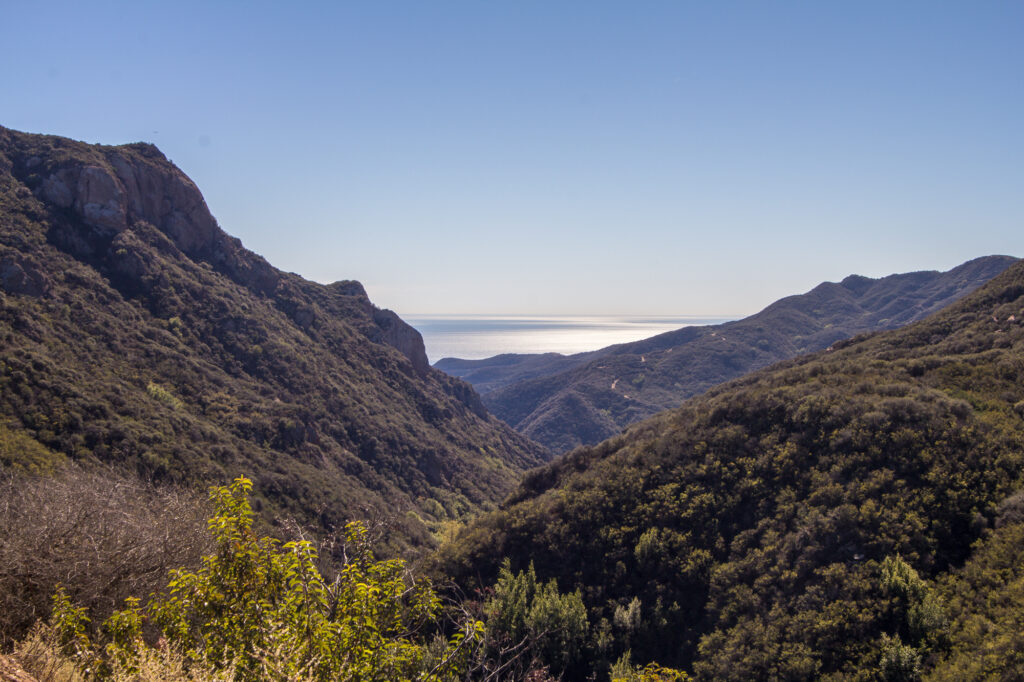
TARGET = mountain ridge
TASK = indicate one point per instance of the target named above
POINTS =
(565, 401)
(752, 532)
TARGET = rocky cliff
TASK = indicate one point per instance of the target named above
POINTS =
(118, 190)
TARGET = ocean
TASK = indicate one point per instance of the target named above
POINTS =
(473, 337)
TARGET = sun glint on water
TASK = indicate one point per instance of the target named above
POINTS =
(472, 337)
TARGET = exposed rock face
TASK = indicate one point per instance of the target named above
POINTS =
(398, 334)
(112, 196)
(57, 186)
(122, 190)
(393, 330)
(168, 200)
(100, 200)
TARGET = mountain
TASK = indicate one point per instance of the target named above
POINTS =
(565, 401)
(849, 514)
(135, 332)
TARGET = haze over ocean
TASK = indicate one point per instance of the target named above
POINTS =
(474, 337)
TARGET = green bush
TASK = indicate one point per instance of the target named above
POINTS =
(163, 395)
(524, 614)
(623, 670)
(259, 609)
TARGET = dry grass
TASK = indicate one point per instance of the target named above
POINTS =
(42, 659)
(40, 655)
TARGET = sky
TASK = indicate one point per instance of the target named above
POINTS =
(558, 158)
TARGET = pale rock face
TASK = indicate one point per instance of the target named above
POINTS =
(110, 199)
(95, 194)
(56, 189)
(99, 199)
(404, 338)
(169, 201)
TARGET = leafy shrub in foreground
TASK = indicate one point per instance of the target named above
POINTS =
(259, 609)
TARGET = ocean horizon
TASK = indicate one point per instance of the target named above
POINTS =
(474, 337)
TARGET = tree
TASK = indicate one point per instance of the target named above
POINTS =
(523, 613)
(921, 623)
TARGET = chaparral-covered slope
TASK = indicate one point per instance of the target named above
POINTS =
(753, 532)
(565, 401)
(135, 332)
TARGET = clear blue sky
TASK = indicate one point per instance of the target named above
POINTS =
(558, 157)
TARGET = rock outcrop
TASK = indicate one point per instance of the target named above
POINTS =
(122, 191)
(400, 335)
(128, 185)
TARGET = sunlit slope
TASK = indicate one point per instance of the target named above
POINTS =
(750, 524)
(135, 332)
(565, 401)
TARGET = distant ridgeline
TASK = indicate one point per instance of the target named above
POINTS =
(565, 401)
(852, 514)
(134, 332)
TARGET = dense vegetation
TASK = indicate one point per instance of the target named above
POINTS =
(853, 514)
(258, 609)
(135, 333)
(984, 604)
(806, 521)
(565, 401)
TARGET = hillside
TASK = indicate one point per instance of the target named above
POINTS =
(135, 332)
(807, 521)
(565, 401)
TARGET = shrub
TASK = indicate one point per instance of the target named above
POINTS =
(525, 614)
(163, 395)
(259, 609)
(103, 535)
(623, 670)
